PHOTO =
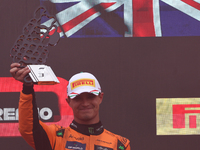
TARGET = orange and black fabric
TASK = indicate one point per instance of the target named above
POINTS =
(54, 137)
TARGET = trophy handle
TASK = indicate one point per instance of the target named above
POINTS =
(31, 48)
(27, 79)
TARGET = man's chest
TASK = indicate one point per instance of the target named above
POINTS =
(77, 141)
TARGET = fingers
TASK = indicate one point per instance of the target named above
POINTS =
(14, 68)
(22, 72)
(17, 72)
(14, 65)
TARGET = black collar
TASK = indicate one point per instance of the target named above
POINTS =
(93, 129)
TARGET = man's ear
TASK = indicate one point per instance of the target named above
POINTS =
(101, 96)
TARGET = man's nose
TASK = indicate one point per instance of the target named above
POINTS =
(85, 101)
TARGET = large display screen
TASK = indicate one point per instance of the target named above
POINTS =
(144, 53)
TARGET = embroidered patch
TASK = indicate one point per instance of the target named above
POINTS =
(98, 147)
(60, 133)
(75, 145)
(120, 146)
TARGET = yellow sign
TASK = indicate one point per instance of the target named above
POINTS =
(82, 82)
(178, 116)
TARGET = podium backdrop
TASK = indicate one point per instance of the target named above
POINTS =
(141, 78)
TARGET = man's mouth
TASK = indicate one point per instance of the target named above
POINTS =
(85, 109)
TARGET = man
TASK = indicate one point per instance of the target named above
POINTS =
(85, 132)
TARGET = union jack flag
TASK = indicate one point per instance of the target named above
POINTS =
(126, 18)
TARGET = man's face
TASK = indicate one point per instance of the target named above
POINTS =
(86, 107)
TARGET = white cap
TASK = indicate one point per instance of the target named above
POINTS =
(83, 82)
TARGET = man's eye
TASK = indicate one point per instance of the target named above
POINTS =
(77, 98)
(91, 96)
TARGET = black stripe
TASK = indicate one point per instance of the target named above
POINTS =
(40, 137)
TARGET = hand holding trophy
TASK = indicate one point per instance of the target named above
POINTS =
(30, 48)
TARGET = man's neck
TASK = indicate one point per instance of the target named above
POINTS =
(87, 122)
(88, 129)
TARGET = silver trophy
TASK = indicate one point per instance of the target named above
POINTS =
(30, 48)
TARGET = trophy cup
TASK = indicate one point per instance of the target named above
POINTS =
(30, 48)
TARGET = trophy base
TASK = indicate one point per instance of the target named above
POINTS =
(42, 75)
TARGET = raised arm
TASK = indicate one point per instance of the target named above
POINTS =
(36, 133)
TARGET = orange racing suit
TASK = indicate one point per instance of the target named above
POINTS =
(53, 137)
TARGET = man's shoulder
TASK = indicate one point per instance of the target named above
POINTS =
(56, 128)
(121, 140)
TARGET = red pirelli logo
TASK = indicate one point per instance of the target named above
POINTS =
(82, 82)
(178, 116)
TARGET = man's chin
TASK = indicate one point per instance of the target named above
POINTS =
(86, 118)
